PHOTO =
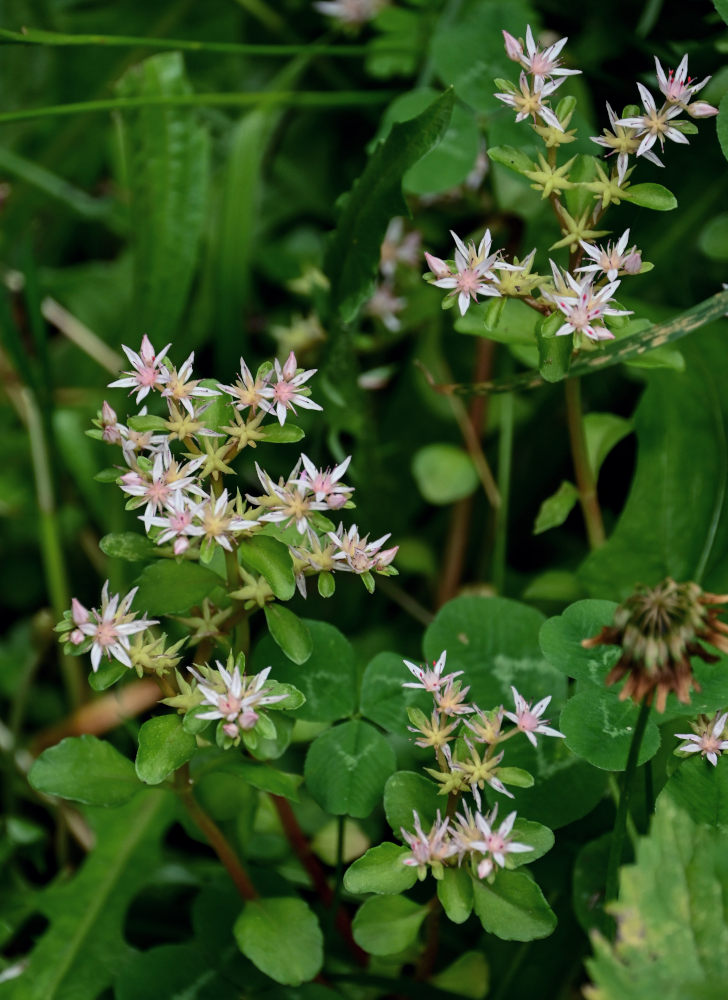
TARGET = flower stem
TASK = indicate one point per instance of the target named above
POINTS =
(585, 480)
(620, 824)
(214, 835)
(426, 963)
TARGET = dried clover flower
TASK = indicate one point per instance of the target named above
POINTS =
(659, 629)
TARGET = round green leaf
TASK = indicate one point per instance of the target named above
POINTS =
(513, 907)
(455, 892)
(653, 196)
(127, 545)
(291, 960)
(713, 239)
(538, 837)
(495, 642)
(163, 747)
(381, 870)
(468, 976)
(700, 789)
(85, 769)
(406, 792)
(444, 473)
(346, 768)
(272, 560)
(327, 679)
(170, 588)
(289, 632)
(385, 925)
(599, 728)
(383, 699)
(561, 639)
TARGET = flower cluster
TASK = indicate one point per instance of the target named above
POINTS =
(474, 763)
(234, 698)
(708, 737)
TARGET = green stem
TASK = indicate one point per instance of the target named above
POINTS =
(505, 454)
(620, 824)
(50, 540)
(585, 480)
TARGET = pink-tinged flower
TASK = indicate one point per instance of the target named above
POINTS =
(473, 275)
(540, 63)
(583, 311)
(439, 267)
(111, 430)
(430, 848)
(324, 483)
(676, 86)
(528, 720)
(653, 124)
(247, 391)
(156, 489)
(449, 699)
(429, 679)
(528, 100)
(398, 248)
(614, 259)
(109, 627)
(234, 697)
(180, 387)
(178, 522)
(219, 522)
(359, 555)
(286, 393)
(350, 13)
(148, 373)
(290, 501)
(708, 738)
(624, 141)
(498, 842)
(384, 306)
(465, 834)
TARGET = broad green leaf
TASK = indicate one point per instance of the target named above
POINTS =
(346, 768)
(109, 672)
(170, 588)
(653, 196)
(383, 699)
(128, 545)
(713, 239)
(272, 560)
(555, 509)
(258, 929)
(672, 937)
(538, 837)
(444, 473)
(468, 976)
(353, 255)
(455, 892)
(722, 7)
(495, 642)
(700, 789)
(681, 424)
(289, 632)
(163, 747)
(174, 971)
(168, 153)
(381, 870)
(513, 907)
(84, 948)
(406, 792)
(603, 431)
(85, 769)
(599, 728)
(327, 678)
(385, 925)
(262, 776)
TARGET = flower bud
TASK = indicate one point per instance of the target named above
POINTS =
(701, 109)
(514, 49)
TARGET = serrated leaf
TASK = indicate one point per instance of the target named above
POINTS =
(385, 925)
(85, 769)
(270, 559)
(346, 768)
(128, 545)
(513, 907)
(84, 948)
(381, 870)
(164, 746)
(353, 254)
(555, 509)
(258, 934)
(168, 152)
(289, 632)
(653, 196)
(672, 938)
